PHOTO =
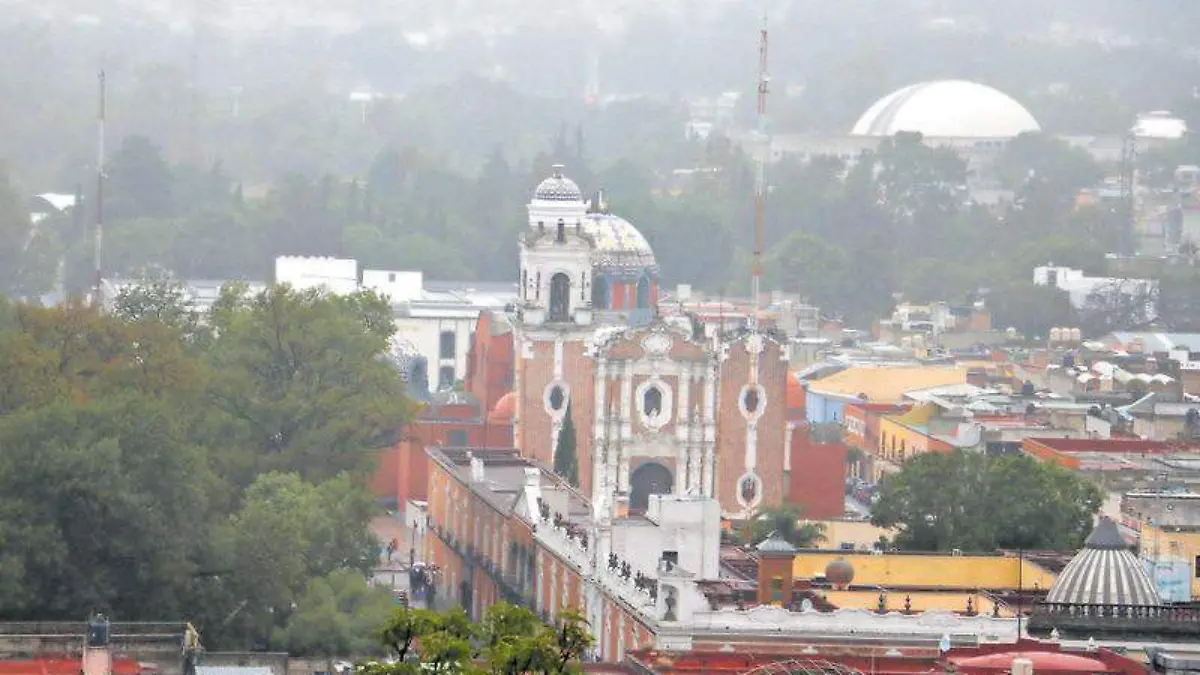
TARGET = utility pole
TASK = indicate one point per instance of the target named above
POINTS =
(98, 232)
(1129, 187)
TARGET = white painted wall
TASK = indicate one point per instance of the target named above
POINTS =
(337, 275)
(690, 526)
(395, 285)
(424, 333)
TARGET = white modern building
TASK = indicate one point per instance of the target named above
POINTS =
(1096, 293)
(434, 319)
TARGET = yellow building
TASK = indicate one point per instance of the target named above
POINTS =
(1174, 545)
(933, 572)
(902, 437)
(886, 384)
(852, 534)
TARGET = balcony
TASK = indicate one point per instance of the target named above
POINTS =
(1115, 620)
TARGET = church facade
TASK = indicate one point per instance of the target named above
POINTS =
(656, 409)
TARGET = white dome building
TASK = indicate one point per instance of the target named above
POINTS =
(947, 109)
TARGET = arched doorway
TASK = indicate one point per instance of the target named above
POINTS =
(599, 292)
(560, 297)
(643, 293)
(648, 479)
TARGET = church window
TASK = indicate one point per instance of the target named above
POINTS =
(652, 402)
(750, 400)
(446, 345)
(560, 297)
(749, 489)
(643, 293)
(557, 398)
(599, 293)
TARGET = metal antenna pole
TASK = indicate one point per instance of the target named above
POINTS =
(98, 233)
(760, 187)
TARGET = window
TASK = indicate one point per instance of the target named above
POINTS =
(560, 235)
(557, 398)
(749, 489)
(524, 284)
(446, 345)
(560, 297)
(457, 438)
(652, 402)
(1196, 566)
(776, 589)
(445, 378)
(671, 557)
(599, 293)
(643, 293)
(750, 400)
(391, 277)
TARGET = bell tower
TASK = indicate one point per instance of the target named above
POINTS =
(556, 256)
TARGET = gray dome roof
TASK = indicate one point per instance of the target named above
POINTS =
(1105, 572)
(776, 545)
(558, 188)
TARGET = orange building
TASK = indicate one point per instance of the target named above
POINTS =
(483, 509)
(490, 360)
(817, 479)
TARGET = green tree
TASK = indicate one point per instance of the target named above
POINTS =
(303, 381)
(336, 616)
(976, 502)
(28, 252)
(155, 297)
(508, 641)
(566, 461)
(784, 521)
(812, 267)
(139, 181)
(286, 533)
(130, 480)
(1031, 308)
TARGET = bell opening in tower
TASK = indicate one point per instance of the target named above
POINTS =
(560, 297)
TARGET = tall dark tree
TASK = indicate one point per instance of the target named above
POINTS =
(566, 461)
(140, 183)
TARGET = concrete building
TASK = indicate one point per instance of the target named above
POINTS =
(1135, 297)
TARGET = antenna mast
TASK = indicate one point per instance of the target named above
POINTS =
(760, 187)
(98, 233)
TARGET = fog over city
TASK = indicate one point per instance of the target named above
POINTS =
(677, 336)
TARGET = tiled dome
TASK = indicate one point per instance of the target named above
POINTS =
(620, 247)
(1105, 572)
(558, 188)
